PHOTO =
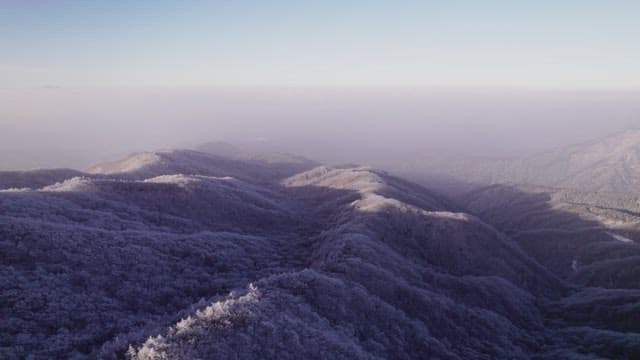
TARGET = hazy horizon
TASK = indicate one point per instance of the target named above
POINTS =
(79, 127)
(363, 81)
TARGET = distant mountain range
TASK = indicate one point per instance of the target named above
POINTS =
(186, 254)
(608, 164)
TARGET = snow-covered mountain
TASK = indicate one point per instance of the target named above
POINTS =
(188, 255)
(608, 164)
(190, 162)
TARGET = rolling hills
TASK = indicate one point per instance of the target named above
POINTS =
(183, 254)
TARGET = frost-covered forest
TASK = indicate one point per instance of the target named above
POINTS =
(188, 255)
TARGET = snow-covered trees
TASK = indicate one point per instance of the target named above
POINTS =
(230, 262)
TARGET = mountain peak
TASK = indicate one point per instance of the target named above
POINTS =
(130, 163)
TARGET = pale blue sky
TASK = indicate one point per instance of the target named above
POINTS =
(453, 43)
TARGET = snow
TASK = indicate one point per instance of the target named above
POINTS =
(9, 190)
(360, 179)
(131, 163)
(73, 184)
(620, 238)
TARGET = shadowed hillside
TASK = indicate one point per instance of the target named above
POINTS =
(588, 238)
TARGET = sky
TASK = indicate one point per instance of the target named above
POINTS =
(338, 81)
(559, 44)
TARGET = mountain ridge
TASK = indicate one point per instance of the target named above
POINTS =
(191, 254)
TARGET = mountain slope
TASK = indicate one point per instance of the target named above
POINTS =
(370, 288)
(149, 164)
(608, 164)
(186, 255)
(590, 238)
